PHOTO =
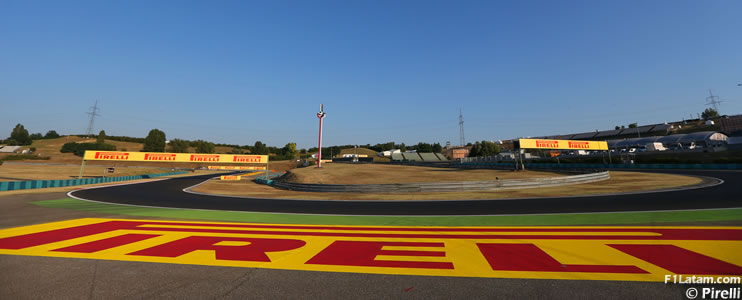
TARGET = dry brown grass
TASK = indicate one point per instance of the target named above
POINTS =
(13, 172)
(620, 182)
(51, 147)
(341, 173)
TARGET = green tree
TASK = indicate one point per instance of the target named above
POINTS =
(20, 136)
(179, 146)
(205, 147)
(632, 125)
(289, 151)
(155, 141)
(36, 136)
(618, 127)
(51, 134)
(437, 148)
(709, 113)
(424, 147)
(334, 151)
(484, 148)
(101, 137)
(260, 148)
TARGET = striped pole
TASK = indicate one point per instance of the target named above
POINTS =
(320, 115)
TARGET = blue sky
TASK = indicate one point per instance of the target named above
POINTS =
(240, 71)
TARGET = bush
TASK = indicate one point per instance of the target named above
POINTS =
(155, 141)
(51, 134)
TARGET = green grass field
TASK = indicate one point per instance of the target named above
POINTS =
(690, 217)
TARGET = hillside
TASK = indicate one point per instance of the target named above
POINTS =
(51, 147)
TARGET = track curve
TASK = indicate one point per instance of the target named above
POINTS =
(169, 193)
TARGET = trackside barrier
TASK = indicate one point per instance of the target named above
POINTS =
(440, 186)
(40, 184)
(605, 166)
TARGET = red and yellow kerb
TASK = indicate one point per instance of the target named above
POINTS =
(595, 253)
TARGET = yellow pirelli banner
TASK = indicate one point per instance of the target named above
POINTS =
(562, 144)
(175, 157)
(230, 177)
(235, 168)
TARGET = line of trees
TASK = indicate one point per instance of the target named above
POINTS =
(155, 141)
(20, 137)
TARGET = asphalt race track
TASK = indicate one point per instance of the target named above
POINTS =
(168, 193)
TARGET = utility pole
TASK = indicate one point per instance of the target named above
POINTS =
(93, 113)
(462, 142)
(321, 115)
(713, 101)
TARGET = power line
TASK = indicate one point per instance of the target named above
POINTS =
(93, 113)
(713, 101)
(461, 128)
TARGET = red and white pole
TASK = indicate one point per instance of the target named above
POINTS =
(320, 115)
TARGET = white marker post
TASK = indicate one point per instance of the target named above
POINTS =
(320, 115)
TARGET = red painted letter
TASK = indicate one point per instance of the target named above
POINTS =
(360, 253)
(255, 251)
(108, 243)
(679, 260)
(529, 257)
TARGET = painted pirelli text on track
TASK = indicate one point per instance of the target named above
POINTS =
(594, 253)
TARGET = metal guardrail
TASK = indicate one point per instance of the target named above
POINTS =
(39, 184)
(601, 166)
(440, 186)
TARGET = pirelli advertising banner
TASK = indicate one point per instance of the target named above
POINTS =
(235, 168)
(562, 144)
(175, 157)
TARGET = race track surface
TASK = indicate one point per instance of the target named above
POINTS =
(168, 193)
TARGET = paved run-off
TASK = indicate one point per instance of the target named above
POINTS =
(627, 253)
(685, 216)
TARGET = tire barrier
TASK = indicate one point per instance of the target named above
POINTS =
(440, 186)
(40, 184)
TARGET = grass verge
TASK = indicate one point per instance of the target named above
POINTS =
(633, 218)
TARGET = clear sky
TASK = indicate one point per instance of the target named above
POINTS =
(240, 71)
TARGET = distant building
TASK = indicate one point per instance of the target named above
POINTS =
(459, 153)
(731, 125)
(388, 153)
(9, 149)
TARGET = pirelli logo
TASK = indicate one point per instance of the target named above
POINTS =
(547, 144)
(579, 145)
(112, 155)
(562, 144)
(247, 158)
(160, 157)
(204, 158)
(176, 157)
(595, 253)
